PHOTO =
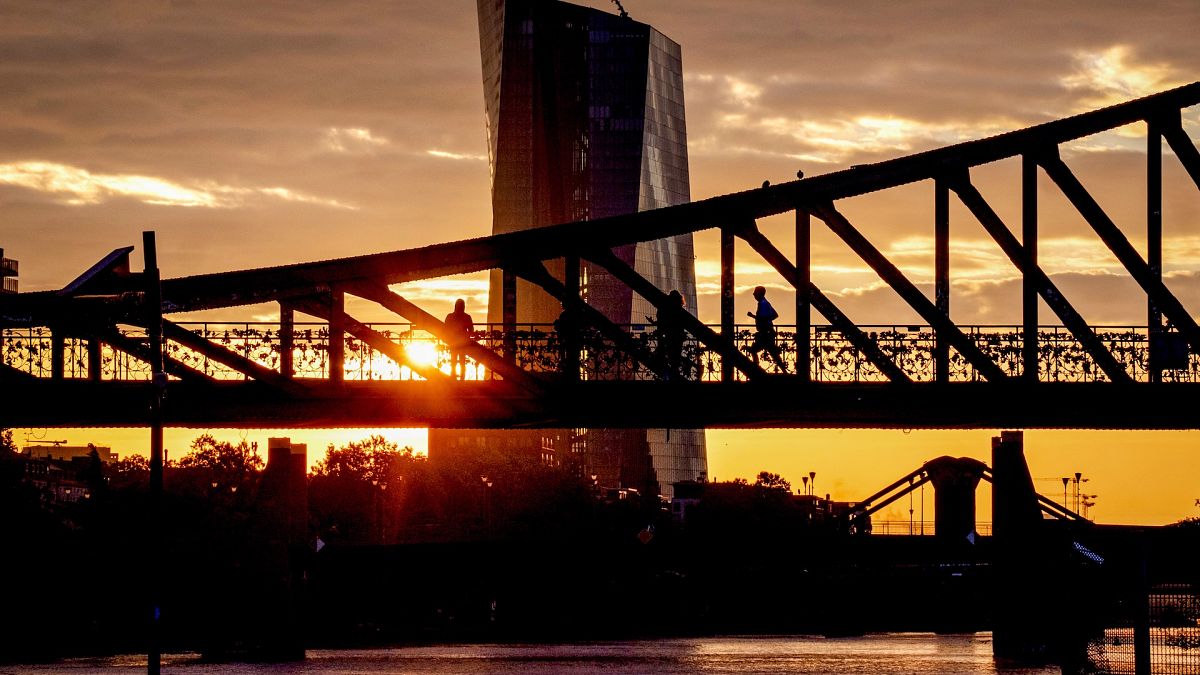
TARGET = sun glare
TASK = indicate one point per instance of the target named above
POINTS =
(423, 354)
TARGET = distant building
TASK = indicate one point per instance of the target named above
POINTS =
(585, 120)
(8, 273)
(69, 452)
(545, 446)
(283, 490)
(60, 472)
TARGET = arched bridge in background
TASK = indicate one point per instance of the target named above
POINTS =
(86, 355)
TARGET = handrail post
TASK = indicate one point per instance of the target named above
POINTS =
(1154, 238)
(727, 291)
(508, 313)
(803, 281)
(158, 382)
(337, 336)
(941, 264)
(287, 340)
(571, 341)
(1029, 290)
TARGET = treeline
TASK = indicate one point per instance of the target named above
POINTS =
(493, 529)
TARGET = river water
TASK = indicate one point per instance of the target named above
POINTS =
(873, 654)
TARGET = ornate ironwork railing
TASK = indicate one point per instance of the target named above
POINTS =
(538, 348)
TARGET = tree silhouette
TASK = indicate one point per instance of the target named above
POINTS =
(774, 481)
(209, 453)
(374, 459)
(354, 490)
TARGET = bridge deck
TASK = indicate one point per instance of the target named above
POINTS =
(773, 402)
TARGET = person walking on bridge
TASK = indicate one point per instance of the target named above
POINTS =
(459, 327)
(764, 329)
(670, 335)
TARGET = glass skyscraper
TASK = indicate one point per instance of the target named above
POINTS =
(585, 119)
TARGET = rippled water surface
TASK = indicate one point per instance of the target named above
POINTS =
(894, 653)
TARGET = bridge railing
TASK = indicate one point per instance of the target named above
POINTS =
(537, 348)
(919, 528)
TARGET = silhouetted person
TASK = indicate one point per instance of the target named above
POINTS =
(458, 333)
(568, 329)
(764, 329)
(670, 334)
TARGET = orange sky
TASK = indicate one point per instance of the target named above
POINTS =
(267, 134)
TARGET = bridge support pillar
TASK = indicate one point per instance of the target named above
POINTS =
(954, 482)
(257, 595)
(1030, 565)
(1018, 635)
(283, 498)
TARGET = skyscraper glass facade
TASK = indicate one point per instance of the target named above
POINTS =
(585, 119)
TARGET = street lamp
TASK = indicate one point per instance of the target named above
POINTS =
(487, 506)
(910, 507)
(812, 482)
(1066, 481)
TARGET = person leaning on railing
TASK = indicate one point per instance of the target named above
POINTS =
(458, 333)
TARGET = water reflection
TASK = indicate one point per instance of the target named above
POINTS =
(917, 653)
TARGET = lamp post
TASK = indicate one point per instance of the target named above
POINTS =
(812, 482)
(375, 528)
(1066, 480)
(487, 506)
(910, 509)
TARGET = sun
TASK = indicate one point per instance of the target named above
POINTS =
(424, 354)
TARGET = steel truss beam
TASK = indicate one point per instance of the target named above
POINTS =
(861, 341)
(707, 336)
(538, 275)
(376, 340)
(941, 323)
(176, 333)
(1116, 241)
(393, 302)
(305, 279)
(1185, 150)
(120, 295)
(9, 373)
(142, 352)
(978, 206)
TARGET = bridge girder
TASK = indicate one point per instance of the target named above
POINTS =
(774, 402)
(108, 295)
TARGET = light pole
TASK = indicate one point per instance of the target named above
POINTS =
(804, 479)
(812, 482)
(487, 506)
(1066, 481)
(376, 528)
(910, 509)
